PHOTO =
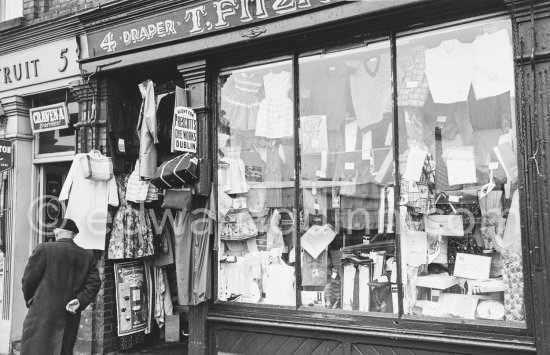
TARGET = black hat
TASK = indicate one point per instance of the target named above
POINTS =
(68, 224)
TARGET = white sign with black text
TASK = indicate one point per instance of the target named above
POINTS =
(184, 130)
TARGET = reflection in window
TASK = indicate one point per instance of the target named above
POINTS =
(346, 144)
(461, 240)
(256, 186)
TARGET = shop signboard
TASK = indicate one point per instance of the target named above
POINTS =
(133, 297)
(49, 118)
(41, 64)
(184, 130)
(195, 20)
(6, 155)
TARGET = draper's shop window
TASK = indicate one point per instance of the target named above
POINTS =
(446, 189)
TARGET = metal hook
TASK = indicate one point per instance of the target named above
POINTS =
(534, 156)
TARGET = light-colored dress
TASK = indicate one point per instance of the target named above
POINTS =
(87, 205)
(240, 101)
(276, 115)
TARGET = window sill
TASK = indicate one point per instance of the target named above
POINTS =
(12, 23)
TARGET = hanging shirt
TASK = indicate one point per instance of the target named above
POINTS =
(450, 68)
(494, 73)
(87, 205)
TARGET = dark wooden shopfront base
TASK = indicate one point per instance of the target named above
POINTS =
(233, 338)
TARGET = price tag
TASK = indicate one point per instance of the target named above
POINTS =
(493, 165)
(333, 276)
(349, 166)
(412, 84)
(314, 191)
(121, 145)
(441, 119)
(389, 137)
(316, 205)
(454, 198)
(136, 295)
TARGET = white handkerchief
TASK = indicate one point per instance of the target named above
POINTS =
(415, 162)
(461, 166)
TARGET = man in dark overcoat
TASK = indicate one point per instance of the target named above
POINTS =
(59, 281)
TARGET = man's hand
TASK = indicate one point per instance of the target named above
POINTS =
(72, 306)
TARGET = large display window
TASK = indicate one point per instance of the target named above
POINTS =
(380, 178)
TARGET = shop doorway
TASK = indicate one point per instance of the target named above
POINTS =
(50, 209)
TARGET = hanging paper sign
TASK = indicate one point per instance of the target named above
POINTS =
(49, 118)
(184, 130)
(133, 297)
(6, 155)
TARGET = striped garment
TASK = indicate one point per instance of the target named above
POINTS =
(240, 101)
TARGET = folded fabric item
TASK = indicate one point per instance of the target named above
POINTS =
(136, 190)
(316, 239)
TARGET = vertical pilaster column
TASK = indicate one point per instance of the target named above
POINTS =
(194, 76)
(19, 243)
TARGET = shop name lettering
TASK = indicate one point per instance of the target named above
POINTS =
(49, 118)
(20, 71)
(211, 16)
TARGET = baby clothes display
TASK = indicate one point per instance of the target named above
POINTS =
(131, 235)
(276, 112)
(240, 100)
(88, 200)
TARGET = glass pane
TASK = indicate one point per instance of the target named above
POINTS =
(347, 180)
(461, 240)
(256, 185)
(60, 140)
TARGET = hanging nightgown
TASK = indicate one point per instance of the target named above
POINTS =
(276, 114)
(87, 205)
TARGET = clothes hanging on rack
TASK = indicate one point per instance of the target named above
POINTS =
(88, 200)
(131, 235)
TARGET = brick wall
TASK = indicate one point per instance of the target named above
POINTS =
(97, 333)
(36, 11)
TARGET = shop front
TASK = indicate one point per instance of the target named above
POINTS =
(370, 176)
(31, 78)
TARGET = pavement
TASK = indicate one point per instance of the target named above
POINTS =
(159, 349)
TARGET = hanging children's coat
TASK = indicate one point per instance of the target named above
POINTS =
(87, 205)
